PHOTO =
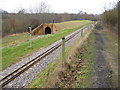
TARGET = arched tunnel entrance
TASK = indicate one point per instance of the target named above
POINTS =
(47, 30)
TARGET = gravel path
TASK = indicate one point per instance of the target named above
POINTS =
(101, 71)
(24, 79)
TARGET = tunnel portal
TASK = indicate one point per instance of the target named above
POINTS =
(47, 30)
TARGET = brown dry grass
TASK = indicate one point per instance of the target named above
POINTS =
(69, 24)
(111, 55)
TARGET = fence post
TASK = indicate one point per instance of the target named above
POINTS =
(82, 32)
(30, 29)
(63, 49)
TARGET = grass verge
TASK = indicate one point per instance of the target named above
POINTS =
(111, 56)
(84, 78)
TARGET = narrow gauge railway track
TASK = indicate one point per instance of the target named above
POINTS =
(10, 77)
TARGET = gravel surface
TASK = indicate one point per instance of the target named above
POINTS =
(101, 71)
(24, 79)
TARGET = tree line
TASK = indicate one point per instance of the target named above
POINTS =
(17, 23)
(20, 21)
(110, 18)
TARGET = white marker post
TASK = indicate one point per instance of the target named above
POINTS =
(30, 36)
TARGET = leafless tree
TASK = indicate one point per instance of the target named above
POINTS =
(42, 7)
(22, 11)
(80, 12)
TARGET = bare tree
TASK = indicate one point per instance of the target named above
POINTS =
(22, 11)
(42, 7)
(80, 12)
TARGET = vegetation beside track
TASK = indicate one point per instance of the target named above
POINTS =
(18, 38)
(111, 56)
(70, 24)
(11, 55)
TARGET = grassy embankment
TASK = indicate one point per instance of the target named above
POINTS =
(11, 55)
(15, 39)
(111, 55)
(75, 73)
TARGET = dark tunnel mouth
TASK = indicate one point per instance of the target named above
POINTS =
(47, 30)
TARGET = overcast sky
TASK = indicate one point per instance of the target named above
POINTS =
(58, 6)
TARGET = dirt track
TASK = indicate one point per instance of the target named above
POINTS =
(101, 71)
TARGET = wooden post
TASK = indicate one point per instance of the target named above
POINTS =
(30, 36)
(82, 32)
(63, 49)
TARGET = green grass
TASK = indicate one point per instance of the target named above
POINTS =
(41, 77)
(84, 79)
(11, 55)
(15, 39)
